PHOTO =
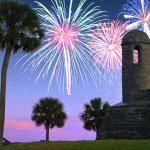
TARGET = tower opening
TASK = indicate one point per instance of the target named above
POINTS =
(137, 55)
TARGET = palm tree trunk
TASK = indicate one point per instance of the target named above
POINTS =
(47, 133)
(96, 134)
(97, 128)
(3, 91)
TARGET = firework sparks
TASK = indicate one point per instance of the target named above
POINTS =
(106, 44)
(65, 50)
(138, 14)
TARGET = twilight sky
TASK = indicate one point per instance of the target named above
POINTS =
(23, 93)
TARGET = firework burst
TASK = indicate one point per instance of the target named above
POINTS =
(106, 44)
(137, 12)
(65, 53)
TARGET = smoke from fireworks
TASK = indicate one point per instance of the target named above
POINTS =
(106, 44)
(138, 14)
(65, 52)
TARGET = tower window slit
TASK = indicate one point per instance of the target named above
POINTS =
(136, 55)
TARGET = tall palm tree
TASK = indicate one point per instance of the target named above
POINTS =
(20, 31)
(93, 114)
(50, 113)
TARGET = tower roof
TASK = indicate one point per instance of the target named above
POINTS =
(135, 36)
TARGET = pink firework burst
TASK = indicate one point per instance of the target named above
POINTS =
(64, 55)
(67, 36)
(106, 44)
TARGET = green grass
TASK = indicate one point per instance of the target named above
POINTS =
(82, 145)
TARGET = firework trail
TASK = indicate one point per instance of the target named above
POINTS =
(65, 52)
(137, 12)
(106, 44)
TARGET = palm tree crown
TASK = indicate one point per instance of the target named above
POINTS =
(19, 27)
(50, 113)
(93, 114)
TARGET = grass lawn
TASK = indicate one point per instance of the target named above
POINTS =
(82, 145)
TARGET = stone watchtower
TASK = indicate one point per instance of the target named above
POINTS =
(131, 118)
(136, 67)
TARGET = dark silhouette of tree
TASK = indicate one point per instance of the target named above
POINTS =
(50, 113)
(20, 31)
(93, 114)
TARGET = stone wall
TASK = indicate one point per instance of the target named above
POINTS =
(126, 122)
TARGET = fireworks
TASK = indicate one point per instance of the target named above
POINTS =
(138, 14)
(106, 44)
(65, 53)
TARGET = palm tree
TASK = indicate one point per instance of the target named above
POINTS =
(20, 31)
(50, 113)
(93, 114)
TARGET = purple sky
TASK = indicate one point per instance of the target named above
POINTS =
(23, 93)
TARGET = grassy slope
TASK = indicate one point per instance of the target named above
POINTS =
(83, 145)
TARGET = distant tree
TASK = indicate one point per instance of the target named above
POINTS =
(20, 31)
(50, 113)
(93, 114)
